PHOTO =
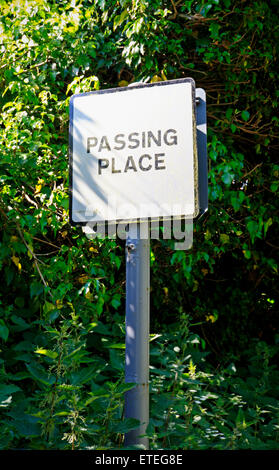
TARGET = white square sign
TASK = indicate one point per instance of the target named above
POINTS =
(133, 153)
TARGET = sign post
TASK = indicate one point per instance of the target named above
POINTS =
(138, 156)
(137, 330)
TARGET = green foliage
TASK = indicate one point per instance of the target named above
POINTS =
(62, 297)
(203, 407)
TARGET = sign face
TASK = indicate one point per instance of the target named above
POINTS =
(133, 153)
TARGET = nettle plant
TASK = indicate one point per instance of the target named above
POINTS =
(197, 406)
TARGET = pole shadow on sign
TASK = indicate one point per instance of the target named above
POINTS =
(88, 181)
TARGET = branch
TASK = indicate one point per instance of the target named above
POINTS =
(253, 169)
(175, 11)
(36, 260)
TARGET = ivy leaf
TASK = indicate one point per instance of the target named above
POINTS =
(4, 331)
(227, 177)
(214, 30)
(253, 228)
(267, 224)
(224, 238)
(115, 303)
(245, 115)
(36, 288)
(229, 113)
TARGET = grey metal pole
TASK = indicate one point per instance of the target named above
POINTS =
(137, 330)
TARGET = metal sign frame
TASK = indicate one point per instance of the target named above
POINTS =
(127, 90)
(202, 150)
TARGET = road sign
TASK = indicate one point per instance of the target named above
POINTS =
(138, 153)
(133, 153)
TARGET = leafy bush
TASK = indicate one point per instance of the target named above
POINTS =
(206, 407)
(62, 297)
